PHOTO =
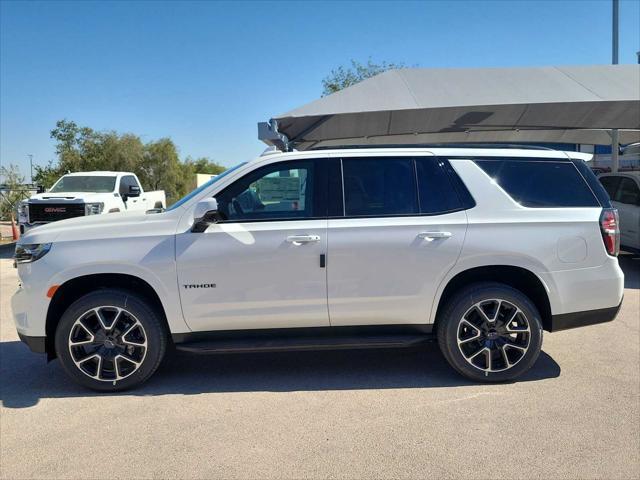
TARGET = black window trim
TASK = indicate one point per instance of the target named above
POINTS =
(322, 165)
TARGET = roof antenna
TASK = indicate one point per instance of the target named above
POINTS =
(268, 133)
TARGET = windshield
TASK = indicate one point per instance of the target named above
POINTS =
(203, 187)
(81, 183)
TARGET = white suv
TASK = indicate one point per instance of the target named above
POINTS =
(367, 248)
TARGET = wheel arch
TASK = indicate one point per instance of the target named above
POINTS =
(517, 277)
(74, 288)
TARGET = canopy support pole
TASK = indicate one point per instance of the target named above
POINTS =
(615, 137)
(615, 149)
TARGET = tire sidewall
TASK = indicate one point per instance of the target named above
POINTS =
(460, 304)
(156, 337)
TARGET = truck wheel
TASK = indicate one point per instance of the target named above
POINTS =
(490, 332)
(158, 205)
(110, 340)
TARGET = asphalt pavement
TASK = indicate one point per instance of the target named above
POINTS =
(345, 414)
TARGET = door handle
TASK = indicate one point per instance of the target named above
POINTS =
(300, 239)
(433, 235)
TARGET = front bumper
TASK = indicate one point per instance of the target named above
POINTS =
(565, 321)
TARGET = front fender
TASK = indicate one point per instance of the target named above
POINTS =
(150, 259)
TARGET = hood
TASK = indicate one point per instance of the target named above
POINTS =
(110, 225)
(65, 196)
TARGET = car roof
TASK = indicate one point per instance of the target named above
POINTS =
(101, 173)
(447, 152)
(632, 173)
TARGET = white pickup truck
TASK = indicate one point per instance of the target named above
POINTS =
(88, 193)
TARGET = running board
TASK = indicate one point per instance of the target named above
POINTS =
(297, 344)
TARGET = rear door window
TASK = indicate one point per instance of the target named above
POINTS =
(610, 184)
(379, 187)
(540, 183)
(628, 192)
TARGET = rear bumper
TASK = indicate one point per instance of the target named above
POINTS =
(35, 344)
(566, 321)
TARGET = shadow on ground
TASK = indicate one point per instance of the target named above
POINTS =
(26, 378)
(7, 250)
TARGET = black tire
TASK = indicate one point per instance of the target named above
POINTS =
(497, 340)
(139, 316)
(158, 205)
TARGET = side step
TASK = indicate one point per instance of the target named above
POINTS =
(282, 344)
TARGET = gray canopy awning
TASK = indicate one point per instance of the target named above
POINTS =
(578, 104)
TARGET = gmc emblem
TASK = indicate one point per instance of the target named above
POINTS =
(55, 210)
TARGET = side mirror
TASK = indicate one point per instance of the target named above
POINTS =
(205, 214)
(40, 189)
(134, 191)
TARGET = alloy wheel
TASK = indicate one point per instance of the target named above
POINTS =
(107, 343)
(493, 335)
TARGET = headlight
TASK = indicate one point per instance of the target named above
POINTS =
(28, 253)
(93, 208)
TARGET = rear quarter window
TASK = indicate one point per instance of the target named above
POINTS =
(541, 183)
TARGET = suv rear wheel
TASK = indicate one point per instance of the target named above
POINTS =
(110, 340)
(490, 332)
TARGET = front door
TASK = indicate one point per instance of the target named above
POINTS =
(402, 229)
(262, 266)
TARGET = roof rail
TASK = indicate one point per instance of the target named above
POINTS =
(523, 146)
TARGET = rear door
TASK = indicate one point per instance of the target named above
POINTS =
(399, 231)
(627, 201)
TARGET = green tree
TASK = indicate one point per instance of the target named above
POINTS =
(191, 167)
(156, 163)
(343, 77)
(12, 190)
(160, 169)
(47, 176)
(204, 165)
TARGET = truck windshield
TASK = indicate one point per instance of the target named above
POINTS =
(81, 183)
(203, 187)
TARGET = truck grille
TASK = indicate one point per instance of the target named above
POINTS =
(50, 212)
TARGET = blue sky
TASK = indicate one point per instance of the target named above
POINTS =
(203, 73)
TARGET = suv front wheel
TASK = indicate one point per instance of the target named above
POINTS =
(110, 340)
(490, 332)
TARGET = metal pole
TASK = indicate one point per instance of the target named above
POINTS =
(614, 42)
(615, 139)
(30, 168)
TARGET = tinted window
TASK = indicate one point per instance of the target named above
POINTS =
(596, 187)
(628, 192)
(610, 184)
(436, 193)
(379, 186)
(77, 183)
(279, 191)
(534, 183)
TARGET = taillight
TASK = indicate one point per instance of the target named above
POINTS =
(610, 228)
